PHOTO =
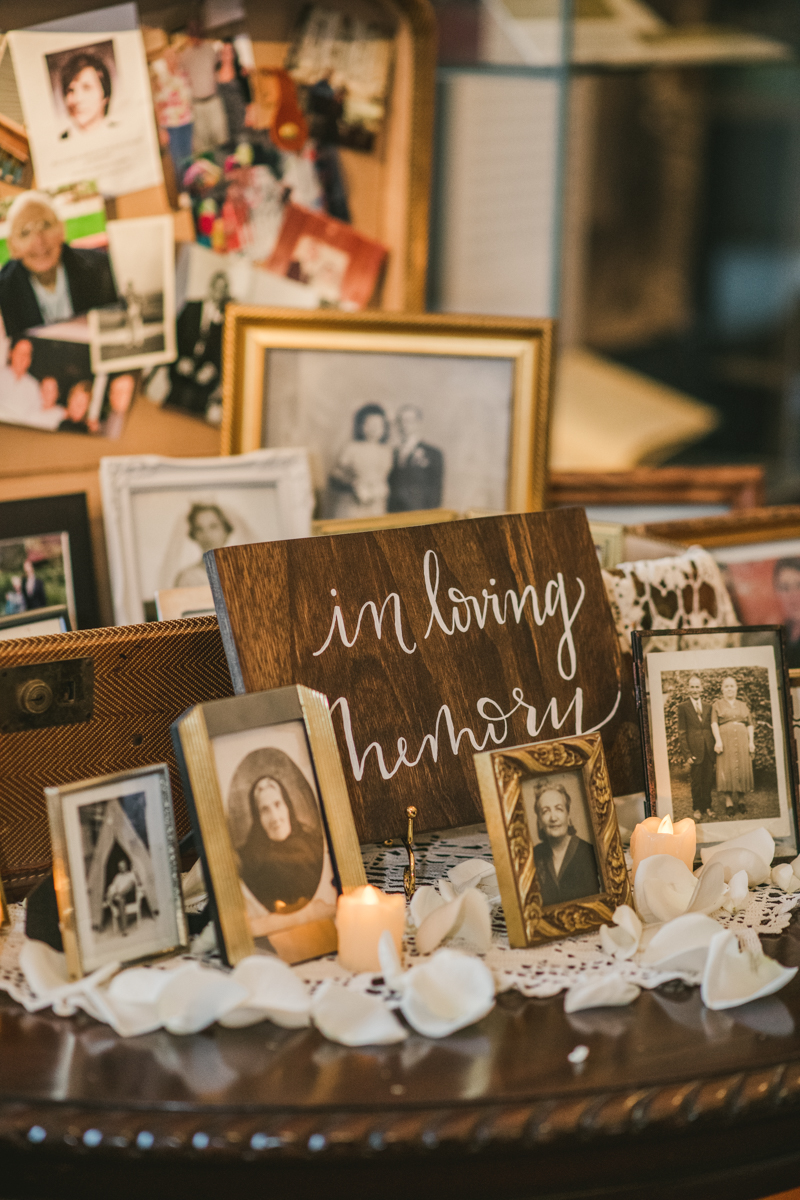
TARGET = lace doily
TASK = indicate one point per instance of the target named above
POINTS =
(541, 971)
(682, 592)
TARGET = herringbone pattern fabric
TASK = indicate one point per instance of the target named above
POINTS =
(144, 677)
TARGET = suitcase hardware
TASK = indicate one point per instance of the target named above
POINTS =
(41, 695)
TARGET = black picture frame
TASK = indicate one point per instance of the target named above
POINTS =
(69, 514)
(750, 636)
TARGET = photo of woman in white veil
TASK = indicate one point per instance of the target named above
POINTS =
(205, 524)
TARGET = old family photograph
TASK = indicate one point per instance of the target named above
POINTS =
(718, 738)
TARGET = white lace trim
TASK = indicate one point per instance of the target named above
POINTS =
(541, 972)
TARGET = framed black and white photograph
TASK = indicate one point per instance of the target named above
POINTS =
(139, 330)
(117, 869)
(717, 731)
(46, 559)
(88, 108)
(162, 515)
(398, 412)
(269, 805)
(555, 839)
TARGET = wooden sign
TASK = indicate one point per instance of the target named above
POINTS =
(431, 643)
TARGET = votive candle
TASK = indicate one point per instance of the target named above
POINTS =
(657, 835)
(361, 917)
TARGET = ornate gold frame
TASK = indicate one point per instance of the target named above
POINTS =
(250, 332)
(500, 777)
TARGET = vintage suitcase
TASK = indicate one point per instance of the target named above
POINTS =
(77, 705)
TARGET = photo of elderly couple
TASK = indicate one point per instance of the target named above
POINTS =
(721, 752)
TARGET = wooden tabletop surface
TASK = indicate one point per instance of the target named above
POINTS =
(673, 1099)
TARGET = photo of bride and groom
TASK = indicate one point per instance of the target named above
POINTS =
(386, 467)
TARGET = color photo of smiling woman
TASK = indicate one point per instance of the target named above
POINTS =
(46, 280)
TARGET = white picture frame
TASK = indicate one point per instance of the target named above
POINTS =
(148, 502)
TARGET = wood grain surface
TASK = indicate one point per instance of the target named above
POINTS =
(432, 675)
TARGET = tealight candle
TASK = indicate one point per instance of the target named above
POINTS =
(654, 836)
(361, 917)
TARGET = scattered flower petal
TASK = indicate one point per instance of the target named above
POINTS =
(758, 841)
(467, 918)
(663, 888)
(354, 1018)
(476, 872)
(424, 901)
(621, 940)
(274, 993)
(601, 991)
(741, 858)
(391, 966)
(783, 876)
(578, 1055)
(736, 895)
(733, 976)
(682, 944)
(710, 889)
(197, 997)
(447, 993)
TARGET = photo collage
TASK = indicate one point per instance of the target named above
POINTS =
(149, 176)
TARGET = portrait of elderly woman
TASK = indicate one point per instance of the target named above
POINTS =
(276, 831)
(46, 280)
(566, 864)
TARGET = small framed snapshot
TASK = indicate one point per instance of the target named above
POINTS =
(269, 806)
(555, 838)
(116, 869)
(162, 515)
(53, 618)
(46, 559)
(715, 715)
(173, 604)
(399, 412)
(609, 542)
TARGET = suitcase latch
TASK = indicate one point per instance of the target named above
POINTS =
(41, 695)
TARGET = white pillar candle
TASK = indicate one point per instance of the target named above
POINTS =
(652, 836)
(361, 917)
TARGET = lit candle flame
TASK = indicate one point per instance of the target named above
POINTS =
(370, 895)
(666, 825)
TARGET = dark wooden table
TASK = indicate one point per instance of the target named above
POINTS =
(674, 1100)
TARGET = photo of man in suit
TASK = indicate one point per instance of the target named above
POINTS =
(697, 747)
(417, 473)
(46, 280)
(566, 865)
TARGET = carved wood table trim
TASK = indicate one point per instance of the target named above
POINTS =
(673, 1099)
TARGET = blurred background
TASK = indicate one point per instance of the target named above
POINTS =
(635, 170)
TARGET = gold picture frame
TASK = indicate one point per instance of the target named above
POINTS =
(215, 741)
(506, 779)
(5, 920)
(127, 820)
(252, 332)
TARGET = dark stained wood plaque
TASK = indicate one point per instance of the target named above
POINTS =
(431, 643)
